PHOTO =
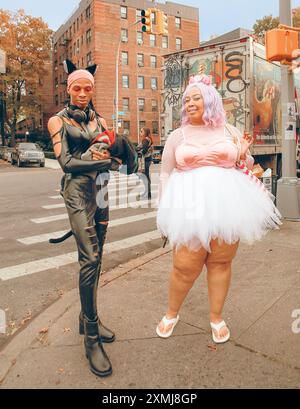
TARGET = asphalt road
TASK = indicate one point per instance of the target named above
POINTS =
(34, 273)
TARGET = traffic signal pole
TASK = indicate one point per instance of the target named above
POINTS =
(288, 187)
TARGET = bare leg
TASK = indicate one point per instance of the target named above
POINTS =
(187, 266)
(218, 279)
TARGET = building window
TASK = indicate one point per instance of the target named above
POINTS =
(56, 100)
(178, 43)
(55, 48)
(88, 13)
(126, 127)
(142, 124)
(123, 12)
(138, 13)
(126, 104)
(88, 36)
(81, 18)
(139, 37)
(71, 51)
(153, 61)
(81, 40)
(74, 48)
(154, 105)
(70, 33)
(155, 127)
(56, 82)
(152, 40)
(124, 35)
(124, 58)
(164, 42)
(178, 22)
(82, 62)
(141, 82)
(89, 59)
(74, 28)
(153, 18)
(125, 81)
(78, 24)
(141, 103)
(140, 60)
(153, 83)
(77, 49)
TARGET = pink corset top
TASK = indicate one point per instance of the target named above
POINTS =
(223, 153)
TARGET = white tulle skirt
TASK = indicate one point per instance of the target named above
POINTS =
(214, 203)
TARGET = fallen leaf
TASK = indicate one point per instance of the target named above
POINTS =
(212, 347)
(44, 331)
(61, 370)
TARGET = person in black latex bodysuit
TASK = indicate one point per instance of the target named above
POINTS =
(72, 131)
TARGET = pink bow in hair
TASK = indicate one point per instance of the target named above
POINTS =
(200, 78)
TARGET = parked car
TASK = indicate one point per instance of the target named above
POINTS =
(156, 157)
(27, 153)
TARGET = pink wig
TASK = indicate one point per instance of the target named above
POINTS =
(214, 113)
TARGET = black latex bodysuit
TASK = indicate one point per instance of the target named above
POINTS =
(79, 190)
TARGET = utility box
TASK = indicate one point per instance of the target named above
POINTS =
(280, 44)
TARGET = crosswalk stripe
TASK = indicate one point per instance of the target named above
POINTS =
(115, 189)
(131, 195)
(38, 266)
(113, 223)
(145, 204)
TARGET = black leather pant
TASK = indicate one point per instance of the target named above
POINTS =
(85, 217)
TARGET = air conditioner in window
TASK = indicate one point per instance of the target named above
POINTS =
(140, 42)
(124, 39)
(140, 64)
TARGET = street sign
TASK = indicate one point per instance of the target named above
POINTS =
(2, 62)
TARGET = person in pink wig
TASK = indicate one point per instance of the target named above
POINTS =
(209, 202)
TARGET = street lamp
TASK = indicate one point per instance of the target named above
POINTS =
(117, 79)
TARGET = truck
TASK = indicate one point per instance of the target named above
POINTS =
(250, 88)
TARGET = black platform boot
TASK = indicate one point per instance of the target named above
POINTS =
(106, 335)
(99, 362)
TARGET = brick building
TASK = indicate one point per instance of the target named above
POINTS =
(93, 34)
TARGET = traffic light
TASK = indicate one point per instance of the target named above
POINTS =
(146, 21)
(280, 44)
(162, 22)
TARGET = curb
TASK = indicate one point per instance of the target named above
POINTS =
(25, 338)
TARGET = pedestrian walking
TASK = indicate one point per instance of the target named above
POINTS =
(145, 150)
(209, 202)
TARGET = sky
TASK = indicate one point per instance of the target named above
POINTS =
(216, 17)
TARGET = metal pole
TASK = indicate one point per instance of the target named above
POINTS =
(117, 88)
(288, 187)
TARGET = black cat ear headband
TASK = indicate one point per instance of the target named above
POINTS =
(69, 67)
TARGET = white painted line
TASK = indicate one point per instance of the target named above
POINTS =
(144, 204)
(41, 237)
(115, 189)
(113, 223)
(37, 266)
(131, 195)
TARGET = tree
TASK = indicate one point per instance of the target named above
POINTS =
(27, 42)
(263, 25)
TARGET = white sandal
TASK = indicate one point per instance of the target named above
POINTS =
(166, 321)
(218, 327)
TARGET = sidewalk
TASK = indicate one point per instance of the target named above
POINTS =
(263, 351)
